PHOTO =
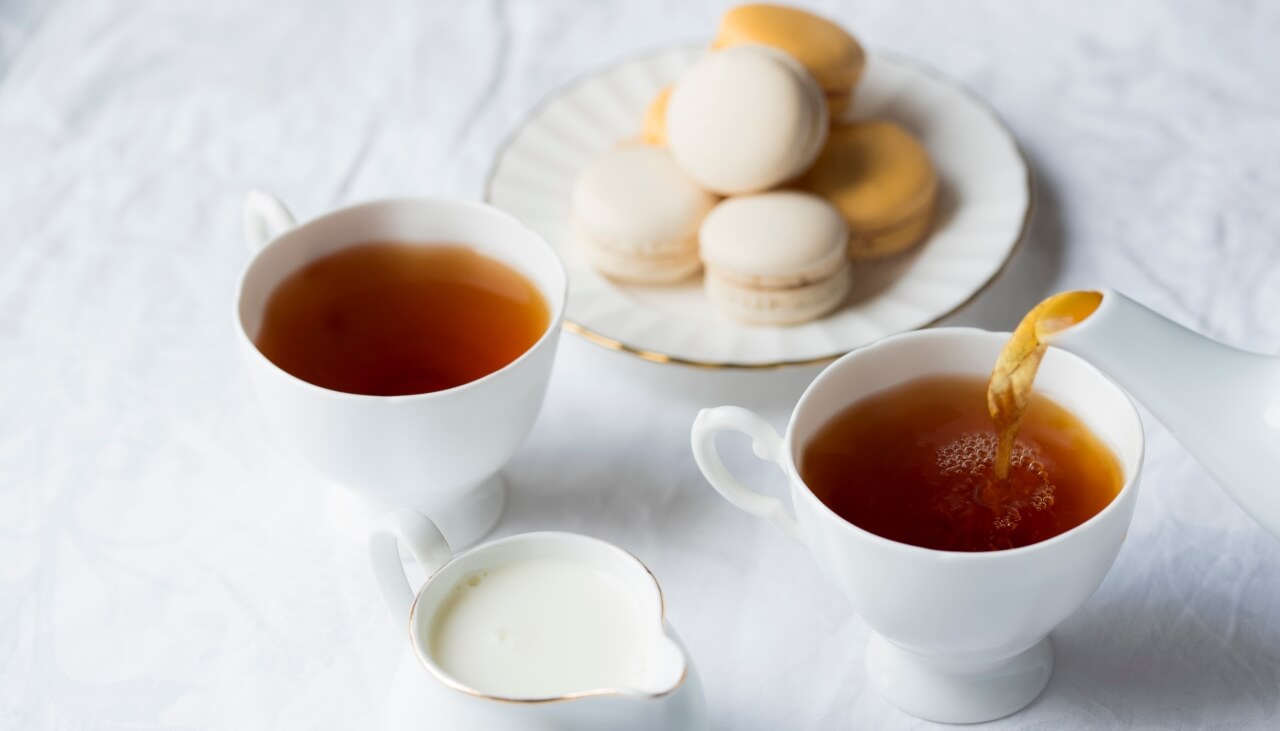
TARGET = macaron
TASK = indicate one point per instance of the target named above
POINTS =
(775, 258)
(636, 215)
(826, 50)
(654, 131)
(745, 119)
(882, 181)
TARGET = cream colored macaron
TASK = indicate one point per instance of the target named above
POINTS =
(745, 119)
(775, 258)
(636, 215)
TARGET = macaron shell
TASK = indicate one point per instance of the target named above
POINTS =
(634, 199)
(654, 131)
(776, 239)
(745, 119)
(669, 268)
(873, 244)
(789, 306)
(824, 48)
(876, 173)
(839, 103)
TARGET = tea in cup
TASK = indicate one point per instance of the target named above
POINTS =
(538, 630)
(960, 607)
(402, 347)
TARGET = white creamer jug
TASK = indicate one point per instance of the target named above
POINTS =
(537, 631)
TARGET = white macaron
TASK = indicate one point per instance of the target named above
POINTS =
(775, 258)
(636, 215)
(745, 119)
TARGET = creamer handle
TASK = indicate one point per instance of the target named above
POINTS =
(265, 218)
(423, 540)
(766, 444)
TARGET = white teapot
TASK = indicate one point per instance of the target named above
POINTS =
(1223, 404)
(535, 636)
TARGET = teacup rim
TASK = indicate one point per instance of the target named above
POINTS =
(793, 473)
(558, 304)
(417, 642)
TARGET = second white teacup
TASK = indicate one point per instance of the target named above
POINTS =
(958, 637)
(436, 452)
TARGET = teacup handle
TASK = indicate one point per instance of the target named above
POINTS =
(265, 218)
(424, 541)
(766, 444)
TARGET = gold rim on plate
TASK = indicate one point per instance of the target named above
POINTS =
(653, 356)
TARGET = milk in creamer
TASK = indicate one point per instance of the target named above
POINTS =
(540, 628)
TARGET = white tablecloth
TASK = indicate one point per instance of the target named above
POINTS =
(164, 565)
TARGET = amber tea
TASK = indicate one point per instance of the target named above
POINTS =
(1014, 374)
(387, 319)
(916, 464)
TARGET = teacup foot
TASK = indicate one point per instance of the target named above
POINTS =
(947, 691)
(465, 521)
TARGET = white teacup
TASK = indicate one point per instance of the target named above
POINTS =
(667, 694)
(436, 452)
(958, 637)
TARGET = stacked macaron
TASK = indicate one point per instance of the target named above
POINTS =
(746, 119)
(638, 215)
(753, 116)
(775, 258)
(827, 51)
(883, 182)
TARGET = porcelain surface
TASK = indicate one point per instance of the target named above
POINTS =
(958, 637)
(424, 694)
(984, 206)
(164, 563)
(437, 452)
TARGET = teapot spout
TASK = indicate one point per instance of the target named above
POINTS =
(1221, 403)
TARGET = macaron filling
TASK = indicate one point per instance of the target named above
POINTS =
(779, 306)
(670, 267)
(893, 238)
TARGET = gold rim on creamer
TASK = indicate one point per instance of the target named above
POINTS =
(655, 356)
(450, 682)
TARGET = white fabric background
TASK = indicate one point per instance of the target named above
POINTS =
(163, 565)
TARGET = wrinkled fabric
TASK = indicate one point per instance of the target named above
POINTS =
(164, 564)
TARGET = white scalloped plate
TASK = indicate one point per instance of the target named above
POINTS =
(984, 210)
